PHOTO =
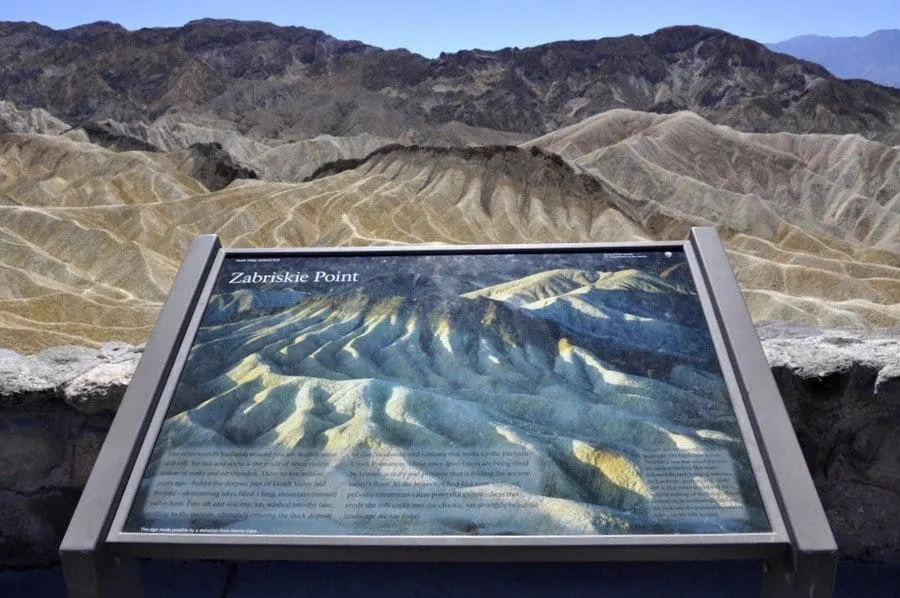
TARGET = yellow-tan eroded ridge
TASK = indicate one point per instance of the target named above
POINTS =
(91, 239)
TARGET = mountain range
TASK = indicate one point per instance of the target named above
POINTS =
(293, 83)
(872, 57)
(116, 147)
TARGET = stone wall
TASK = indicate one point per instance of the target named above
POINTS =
(841, 388)
(55, 409)
(842, 391)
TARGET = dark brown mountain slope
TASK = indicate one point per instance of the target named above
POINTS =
(295, 83)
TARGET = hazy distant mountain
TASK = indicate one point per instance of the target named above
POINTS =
(293, 83)
(873, 57)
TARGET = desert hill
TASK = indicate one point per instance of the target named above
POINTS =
(796, 205)
(292, 83)
(35, 120)
(844, 187)
(628, 309)
(810, 221)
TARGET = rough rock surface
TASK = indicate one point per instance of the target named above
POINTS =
(84, 378)
(293, 83)
(213, 166)
(106, 135)
(47, 448)
(841, 388)
(34, 120)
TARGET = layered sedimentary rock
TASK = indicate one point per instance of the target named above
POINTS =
(34, 120)
(811, 222)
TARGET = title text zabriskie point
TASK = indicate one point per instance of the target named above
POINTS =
(292, 277)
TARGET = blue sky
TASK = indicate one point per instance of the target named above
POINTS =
(428, 26)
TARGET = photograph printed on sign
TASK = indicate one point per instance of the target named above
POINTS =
(451, 394)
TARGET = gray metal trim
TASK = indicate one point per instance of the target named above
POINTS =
(178, 356)
(412, 548)
(83, 567)
(735, 393)
(315, 541)
(438, 249)
(813, 548)
(811, 575)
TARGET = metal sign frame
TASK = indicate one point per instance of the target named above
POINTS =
(799, 553)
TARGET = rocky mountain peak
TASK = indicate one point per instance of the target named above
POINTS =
(301, 82)
(95, 29)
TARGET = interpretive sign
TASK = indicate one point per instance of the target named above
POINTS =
(556, 402)
(530, 394)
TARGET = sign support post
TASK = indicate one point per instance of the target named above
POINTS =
(89, 567)
(808, 570)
